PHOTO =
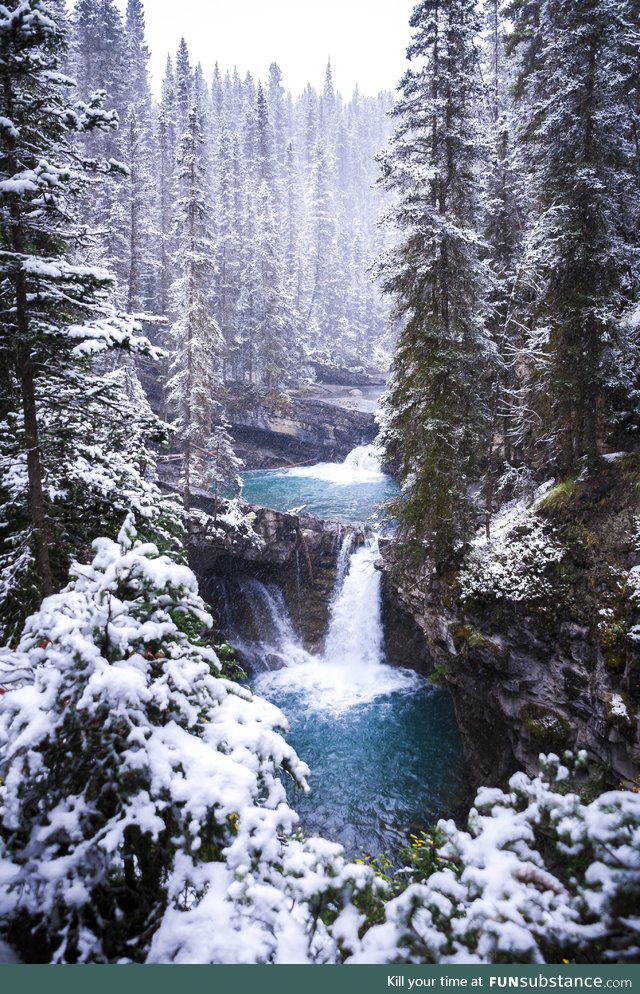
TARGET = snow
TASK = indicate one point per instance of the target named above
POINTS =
(497, 900)
(104, 663)
(7, 125)
(206, 764)
(633, 582)
(512, 564)
(19, 185)
(617, 706)
(7, 954)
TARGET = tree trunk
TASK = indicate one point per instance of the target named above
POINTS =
(37, 511)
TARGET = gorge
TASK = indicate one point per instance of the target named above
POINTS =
(523, 678)
(381, 741)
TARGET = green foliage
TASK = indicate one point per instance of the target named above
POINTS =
(437, 421)
(422, 858)
(546, 726)
(537, 876)
(560, 495)
(230, 667)
(439, 676)
(468, 635)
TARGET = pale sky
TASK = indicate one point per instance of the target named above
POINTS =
(366, 39)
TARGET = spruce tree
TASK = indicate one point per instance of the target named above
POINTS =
(55, 315)
(436, 416)
(198, 343)
(578, 135)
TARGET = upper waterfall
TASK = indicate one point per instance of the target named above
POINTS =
(362, 465)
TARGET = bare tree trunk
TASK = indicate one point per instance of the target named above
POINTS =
(37, 511)
(186, 490)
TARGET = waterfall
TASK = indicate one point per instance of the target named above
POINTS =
(342, 563)
(362, 465)
(351, 670)
(364, 459)
(355, 627)
(270, 642)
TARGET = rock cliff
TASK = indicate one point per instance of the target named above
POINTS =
(232, 540)
(537, 635)
(279, 430)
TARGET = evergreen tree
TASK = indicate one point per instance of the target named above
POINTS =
(100, 63)
(276, 351)
(277, 112)
(580, 148)
(505, 211)
(139, 93)
(183, 83)
(229, 199)
(54, 315)
(139, 153)
(436, 409)
(264, 142)
(166, 155)
(198, 344)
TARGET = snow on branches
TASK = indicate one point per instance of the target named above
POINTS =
(141, 795)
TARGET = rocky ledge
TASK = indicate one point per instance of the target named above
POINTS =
(229, 541)
(537, 636)
(284, 430)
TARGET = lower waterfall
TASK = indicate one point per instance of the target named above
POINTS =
(350, 671)
(381, 742)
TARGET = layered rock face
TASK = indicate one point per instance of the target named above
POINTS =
(272, 430)
(229, 541)
(537, 636)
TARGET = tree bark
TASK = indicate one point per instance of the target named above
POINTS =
(37, 511)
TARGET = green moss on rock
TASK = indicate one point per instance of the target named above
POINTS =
(468, 635)
(549, 728)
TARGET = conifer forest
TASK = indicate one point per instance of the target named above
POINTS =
(320, 496)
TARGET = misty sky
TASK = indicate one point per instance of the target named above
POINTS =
(366, 39)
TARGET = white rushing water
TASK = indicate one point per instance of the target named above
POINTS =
(351, 669)
(278, 645)
(362, 465)
(381, 742)
(355, 627)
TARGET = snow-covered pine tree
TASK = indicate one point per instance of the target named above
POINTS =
(322, 304)
(141, 194)
(264, 150)
(143, 817)
(183, 82)
(99, 63)
(137, 59)
(217, 102)
(95, 435)
(198, 344)
(165, 147)
(99, 57)
(276, 349)
(277, 113)
(436, 412)
(54, 315)
(538, 876)
(503, 222)
(140, 211)
(578, 129)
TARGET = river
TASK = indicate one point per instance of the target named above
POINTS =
(382, 743)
